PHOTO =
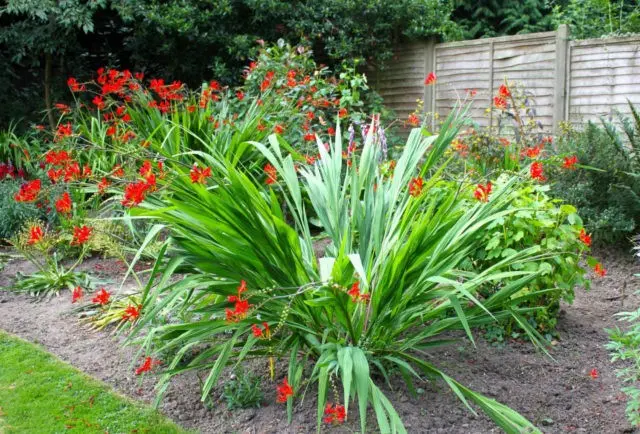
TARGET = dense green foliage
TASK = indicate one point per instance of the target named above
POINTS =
(607, 193)
(44, 42)
(37, 391)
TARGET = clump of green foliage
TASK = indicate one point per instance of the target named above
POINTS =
(243, 390)
(607, 190)
(552, 224)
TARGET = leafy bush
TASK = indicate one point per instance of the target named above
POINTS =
(390, 282)
(608, 193)
(540, 220)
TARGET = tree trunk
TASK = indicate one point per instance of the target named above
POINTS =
(48, 66)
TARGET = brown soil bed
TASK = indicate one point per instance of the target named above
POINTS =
(557, 394)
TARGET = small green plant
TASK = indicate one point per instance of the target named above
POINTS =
(243, 390)
(625, 346)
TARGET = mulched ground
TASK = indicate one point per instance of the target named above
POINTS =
(557, 394)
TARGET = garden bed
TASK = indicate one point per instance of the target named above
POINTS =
(557, 395)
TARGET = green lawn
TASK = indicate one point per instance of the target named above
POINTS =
(41, 394)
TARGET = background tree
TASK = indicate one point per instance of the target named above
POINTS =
(36, 33)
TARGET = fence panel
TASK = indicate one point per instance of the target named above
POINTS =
(575, 81)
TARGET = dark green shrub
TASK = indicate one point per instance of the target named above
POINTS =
(607, 189)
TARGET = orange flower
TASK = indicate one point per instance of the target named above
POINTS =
(272, 174)
(593, 373)
(585, 238)
(482, 192)
(504, 91)
(600, 270)
(278, 129)
(198, 175)
(415, 187)
(499, 103)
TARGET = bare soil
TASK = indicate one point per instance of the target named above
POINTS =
(557, 394)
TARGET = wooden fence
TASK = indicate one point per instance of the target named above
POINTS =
(569, 80)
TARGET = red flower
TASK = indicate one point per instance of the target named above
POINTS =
(430, 79)
(585, 238)
(536, 171)
(240, 95)
(600, 270)
(471, 93)
(35, 235)
(331, 131)
(504, 91)
(64, 130)
(147, 365)
(309, 159)
(278, 129)
(356, 295)
(198, 175)
(342, 113)
(64, 109)
(593, 373)
(482, 192)
(103, 185)
(499, 103)
(335, 414)
(60, 158)
(415, 187)
(28, 191)
(98, 101)
(309, 137)
(77, 294)
(241, 306)
(135, 193)
(570, 162)
(74, 85)
(81, 235)
(111, 131)
(532, 152)
(284, 391)
(258, 332)
(272, 174)
(413, 120)
(117, 171)
(101, 297)
(131, 313)
(63, 205)
(504, 141)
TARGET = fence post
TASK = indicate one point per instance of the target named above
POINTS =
(560, 85)
(428, 97)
